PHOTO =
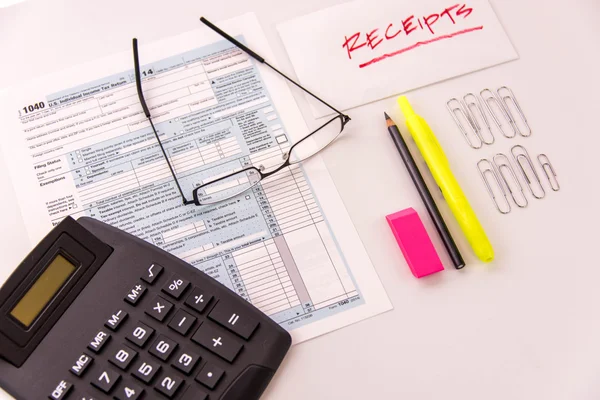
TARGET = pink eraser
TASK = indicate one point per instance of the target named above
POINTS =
(415, 243)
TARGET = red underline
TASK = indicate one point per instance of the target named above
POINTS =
(419, 44)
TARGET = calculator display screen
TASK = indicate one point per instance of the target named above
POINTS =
(43, 290)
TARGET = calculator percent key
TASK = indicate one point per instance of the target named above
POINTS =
(175, 287)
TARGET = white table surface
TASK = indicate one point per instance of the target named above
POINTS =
(525, 327)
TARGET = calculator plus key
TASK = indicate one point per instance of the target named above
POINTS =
(175, 286)
(152, 273)
(81, 364)
(163, 347)
(115, 320)
(140, 334)
(106, 380)
(233, 318)
(135, 294)
(158, 308)
(198, 299)
(168, 384)
(145, 370)
(182, 322)
(210, 375)
(122, 357)
(217, 341)
(129, 391)
(101, 338)
(186, 361)
(61, 390)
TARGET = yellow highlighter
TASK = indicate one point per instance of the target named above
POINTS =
(440, 169)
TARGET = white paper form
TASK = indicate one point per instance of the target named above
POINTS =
(365, 50)
(80, 145)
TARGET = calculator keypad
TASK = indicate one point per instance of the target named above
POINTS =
(162, 363)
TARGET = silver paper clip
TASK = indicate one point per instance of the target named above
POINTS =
(548, 169)
(490, 169)
(524, 155)
(489, 98)
(472, 106)
(513, 99)
(466, 115)
(502, 163)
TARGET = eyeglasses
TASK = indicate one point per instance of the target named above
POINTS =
(233, 184)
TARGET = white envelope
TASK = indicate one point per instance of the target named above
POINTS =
(363, 51)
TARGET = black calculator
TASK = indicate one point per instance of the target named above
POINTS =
(96, 313)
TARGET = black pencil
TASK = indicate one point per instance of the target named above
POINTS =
(417, 178)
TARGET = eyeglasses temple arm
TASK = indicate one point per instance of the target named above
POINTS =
(262, 61)
(138, 85)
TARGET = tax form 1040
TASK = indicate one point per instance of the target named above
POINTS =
(80, 145)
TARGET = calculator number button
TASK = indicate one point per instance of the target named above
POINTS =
(218, 342)
(168, 385)
(146, 370)
(99, 341)
(123, 357)
(82, 363)
(182, 322)
(233, 319)
(152, 273)
(140, 334)
(135, 294)
(186, 361)
(107, 380)
(198, 299)
(175, 287)
(115, 320)
(61, 390)
(129, 391)
(210, 375)
(159, 308)
(163, 347)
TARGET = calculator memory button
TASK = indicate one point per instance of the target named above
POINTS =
(182, 322)
(194, 394)
(140, 334)
(186, 361)
(129, 391)
(233, 318)
(175, 286)
(61, 390)
(158, 308)
(152, 273)
(122, 357)
(220, 343)
(168, 384)
(81, 364)
(198, 299)
(101, 338)
(115, 320)
(135, 294)
(163, 347)
(106, 380)
(210, 375)
(145, 370)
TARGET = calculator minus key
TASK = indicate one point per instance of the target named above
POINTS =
(152, 273)
(135, 294)
(182, 322)
(175, 286)
(158, 308)
(234, 318)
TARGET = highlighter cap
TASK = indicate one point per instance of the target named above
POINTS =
(405, 107)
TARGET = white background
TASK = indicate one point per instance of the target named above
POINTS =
(525, 327)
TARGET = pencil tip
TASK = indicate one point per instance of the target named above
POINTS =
(386, 116)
